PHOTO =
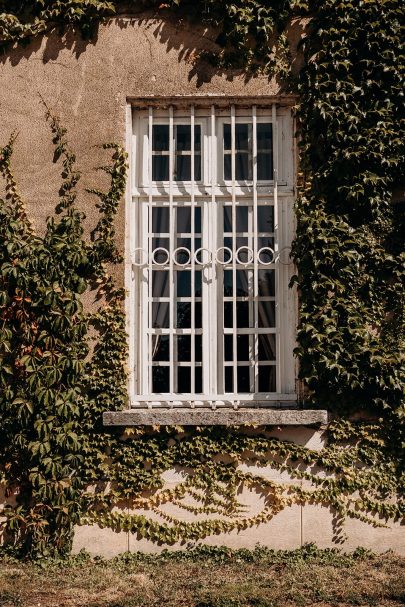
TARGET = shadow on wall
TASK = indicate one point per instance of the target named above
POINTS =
(195, 44)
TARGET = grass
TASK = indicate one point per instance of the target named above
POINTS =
(208, 577)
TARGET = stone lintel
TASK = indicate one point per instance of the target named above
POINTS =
(215, 417)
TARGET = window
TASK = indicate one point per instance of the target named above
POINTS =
(212, 320)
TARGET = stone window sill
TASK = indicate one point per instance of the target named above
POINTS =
(160, 416)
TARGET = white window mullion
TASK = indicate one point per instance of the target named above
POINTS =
(255, 249)
(234, 308)
(172, 227)
(276, 243)
(149, 355)
(192, 247)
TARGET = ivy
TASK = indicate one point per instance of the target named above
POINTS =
(60, 368)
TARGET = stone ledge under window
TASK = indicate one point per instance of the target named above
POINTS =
(215, 417)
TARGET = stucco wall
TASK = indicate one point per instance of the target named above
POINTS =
(87, 84)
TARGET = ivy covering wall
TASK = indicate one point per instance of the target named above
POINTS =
(349, 256)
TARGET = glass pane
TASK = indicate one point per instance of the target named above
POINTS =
(242, 132)
(266, 241)
(242, 282)
(197, 283)
(183, 380)
(228, 347)
(267, 379)
(227, 219)
(183, 137)
(198, 315)
(198, 380)
(160, 168)
(183, 279)
(264, 137)
(243, 379)
(197, 220)
(228, 379)
(228, 290)
(160, 137)
(228, 314)
(242, 315)
(183, 219)
(266, 286)
(160, 283)
(242, 167)
(244, 352)
(160, 315)
(267, 314)
(267, 347)
(265, 218)
(198, 348)
(183, 318)
(160, 348)
(160, 379)
(160, 220)
(183, 344)
(182, 170)
(264, 167)
(160, 243)
(242, 219)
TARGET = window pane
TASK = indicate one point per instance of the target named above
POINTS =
(242, 219)
(228, 290)
(184, 219)
(243, 277)
(183, 319)
(198, 348)
(160, 379)
(264, 167)
(183, 380)
(183, 137)
(160, 168)
(183, 343)
(227, 219)
(160, 348)
(267, 379)
(183, 278)
(243, 166)
(242, 132)
(267, 347)
(265, 218)
(228, 347)
(198, 380)
(160, 315)
(160, 137)
(228, 379)
(244, 352)
(160, 283)
(228, 314)
(243, 379)
(264, 137)
(182, 171)
(266, 283)
(160, 220)
(242, 315)
(267, 314)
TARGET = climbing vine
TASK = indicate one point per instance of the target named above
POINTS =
(57, 462)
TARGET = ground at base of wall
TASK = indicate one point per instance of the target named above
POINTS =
(208, 578)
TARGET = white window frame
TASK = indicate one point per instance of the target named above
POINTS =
(210, 189)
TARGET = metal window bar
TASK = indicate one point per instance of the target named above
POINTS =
(150, 248)
(255, 249)
(234, 320)
(172, 293)
(192, 248)
(276, 242)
